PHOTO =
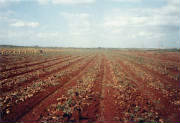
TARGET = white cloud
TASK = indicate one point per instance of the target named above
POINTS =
(121, 27)
(43, 1)
(133, 1)
(4, 3)
(77, 15)
(25, 24)
(124, 20)
(48, 35)
(154, 20)
(66, 1)
(142, 26)
(72, 1)
(173, 2)
(165, 16)
(78, 23)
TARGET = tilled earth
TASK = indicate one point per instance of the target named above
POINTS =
(100, 86)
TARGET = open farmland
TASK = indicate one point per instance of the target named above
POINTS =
(89, 85)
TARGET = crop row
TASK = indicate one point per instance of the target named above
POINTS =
(75, 103)
(161, 98)
(26, 77)
(166, 69)
(131, 104)
(29, 90)
(16, 71)
(37, 112)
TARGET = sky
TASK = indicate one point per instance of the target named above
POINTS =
(91, 23)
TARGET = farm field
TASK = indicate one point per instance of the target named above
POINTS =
(89, 86)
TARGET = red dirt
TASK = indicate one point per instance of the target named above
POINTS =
(169, 111)
(32, 64)
(165, 57)
(106, 89)
(28, 71)
(170, 68)
(41, 76)
(23, 108)
(163, 78)
(93, 111)
(109, 108)
(34, 114)
(13, 61)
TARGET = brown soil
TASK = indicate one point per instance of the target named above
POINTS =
(18, 111)
(167, 110)
(116, 93)
(41, 76)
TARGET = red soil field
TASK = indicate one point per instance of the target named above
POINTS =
(91, 86)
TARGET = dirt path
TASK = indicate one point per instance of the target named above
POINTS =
(108, 113)
(95, 109)
(93, 112)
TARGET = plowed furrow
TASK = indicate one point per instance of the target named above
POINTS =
(172, 69)
(32, 70)
(97, 89)
(93, 111)
(163, 78)
(166, 108)
(45, 98)
(109, 108)
(161, 57)
(17, 59)
(154, 62)
(32, 64)
(152, 56)
(41, 76)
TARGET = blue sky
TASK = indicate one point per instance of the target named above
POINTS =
(91, 23)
